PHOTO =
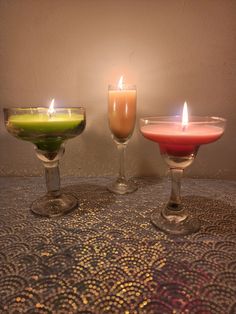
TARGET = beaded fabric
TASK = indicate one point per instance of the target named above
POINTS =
(106, 257)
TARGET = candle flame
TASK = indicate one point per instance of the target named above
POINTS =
(185, 116)
(120, 83)
(51, 109)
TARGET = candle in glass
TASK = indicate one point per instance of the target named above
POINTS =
(121, 118)
(179, 143)
(48, 129)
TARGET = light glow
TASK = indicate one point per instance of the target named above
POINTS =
(185, 116)
(51, 109)
(120, 83)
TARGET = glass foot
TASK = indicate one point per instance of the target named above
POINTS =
(184, 227)
(49, 206)
(122, 187)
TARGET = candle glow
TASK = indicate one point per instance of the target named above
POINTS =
(185, 116)
(51, 109)
(120, 83)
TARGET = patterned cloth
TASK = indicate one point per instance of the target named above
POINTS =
(106, 256)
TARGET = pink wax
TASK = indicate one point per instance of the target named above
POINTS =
(175, 141)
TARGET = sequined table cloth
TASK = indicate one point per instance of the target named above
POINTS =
(106, 256)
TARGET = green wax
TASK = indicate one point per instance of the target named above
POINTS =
(45, 131)
(42, 123)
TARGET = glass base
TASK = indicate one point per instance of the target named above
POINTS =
(122, 187)
(184, 227)
(50, 206)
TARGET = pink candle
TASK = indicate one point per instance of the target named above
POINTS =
(178, 141)
(182, 138)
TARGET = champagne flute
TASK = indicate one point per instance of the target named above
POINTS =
(121, 118)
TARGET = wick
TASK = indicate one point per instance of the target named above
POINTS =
(50, 115)
(184, 127)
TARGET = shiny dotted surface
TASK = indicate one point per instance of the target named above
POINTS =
(106, 257)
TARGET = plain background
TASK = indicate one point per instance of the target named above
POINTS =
(70, 50)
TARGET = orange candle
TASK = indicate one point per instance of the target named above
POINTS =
(122, 110)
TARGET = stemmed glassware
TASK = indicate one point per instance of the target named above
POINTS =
(48, 129)
(179, 143)
(121, 118)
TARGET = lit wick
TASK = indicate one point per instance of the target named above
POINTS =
(185, 117)
(121, 83)
(51, 109)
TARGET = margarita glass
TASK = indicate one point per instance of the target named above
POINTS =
(179, 143)
(48, 129)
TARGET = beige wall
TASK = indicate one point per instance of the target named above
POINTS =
(173, 50)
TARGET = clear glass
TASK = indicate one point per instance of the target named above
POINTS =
(48, 132)
(179, 146)
(121, 119)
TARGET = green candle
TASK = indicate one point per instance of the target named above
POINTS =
(48, 128)
(46, 131)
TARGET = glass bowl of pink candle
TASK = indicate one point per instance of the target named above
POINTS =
(179, 143)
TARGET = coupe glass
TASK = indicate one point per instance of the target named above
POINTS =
(121, 118)
(179, 146)
(48, 131)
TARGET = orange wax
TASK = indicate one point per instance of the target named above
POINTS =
(122, 112)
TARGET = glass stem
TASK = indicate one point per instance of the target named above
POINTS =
(121, 149)
(174, 212)
(51, 165)
(175, 199)
(52, 176)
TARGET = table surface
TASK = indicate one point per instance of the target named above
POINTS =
(106, 256)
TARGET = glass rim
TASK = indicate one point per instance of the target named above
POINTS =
(178, 118)
(124, 87)
(42, 108)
